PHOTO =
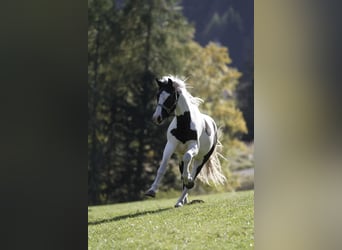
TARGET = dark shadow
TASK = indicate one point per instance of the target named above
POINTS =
(126, 216)
(195, 202)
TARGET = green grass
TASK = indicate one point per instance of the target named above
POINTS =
(223, 221)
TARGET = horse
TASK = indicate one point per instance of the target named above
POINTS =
(191, 134)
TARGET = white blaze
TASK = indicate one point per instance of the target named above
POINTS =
(162, 98)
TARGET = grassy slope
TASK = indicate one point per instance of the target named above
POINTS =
(224, 221)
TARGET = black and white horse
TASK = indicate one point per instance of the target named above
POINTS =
(191, 134)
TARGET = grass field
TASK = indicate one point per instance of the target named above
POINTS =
(223, 221)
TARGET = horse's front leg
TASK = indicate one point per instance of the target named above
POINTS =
(168, 151)
(183, 199)
(187, 158)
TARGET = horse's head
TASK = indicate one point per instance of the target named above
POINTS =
(167, 98)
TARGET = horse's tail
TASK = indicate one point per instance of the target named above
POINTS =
(212, 171)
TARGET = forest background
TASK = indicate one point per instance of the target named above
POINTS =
(132, 42)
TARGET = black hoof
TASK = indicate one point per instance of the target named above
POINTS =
(150, 193)
(190, 185)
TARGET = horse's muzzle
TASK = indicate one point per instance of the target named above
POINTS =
(157, 120)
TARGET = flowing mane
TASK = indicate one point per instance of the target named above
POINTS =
(181, 86)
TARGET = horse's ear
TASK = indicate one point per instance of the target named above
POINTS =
(169, 81)
(159, 82)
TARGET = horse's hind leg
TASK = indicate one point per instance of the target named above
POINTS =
(198, 165)
(187, 158)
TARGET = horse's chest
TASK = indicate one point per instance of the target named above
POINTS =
(183, 131)
(181, 148)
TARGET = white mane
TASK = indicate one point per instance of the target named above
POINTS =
(181, 86)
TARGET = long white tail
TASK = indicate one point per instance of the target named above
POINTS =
(212, 170)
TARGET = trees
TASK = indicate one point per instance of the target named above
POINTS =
(230, 23)
(216, 83)
(101, 22)
(129, 44)
(128, 47)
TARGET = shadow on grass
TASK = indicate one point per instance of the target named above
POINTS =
(126, 216)
(195, 202)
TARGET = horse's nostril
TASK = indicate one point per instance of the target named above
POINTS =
(157, 119)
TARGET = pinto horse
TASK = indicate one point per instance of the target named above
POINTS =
(191, 134)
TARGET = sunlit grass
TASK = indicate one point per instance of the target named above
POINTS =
(223, 221)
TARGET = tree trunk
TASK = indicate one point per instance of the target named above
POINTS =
(144, 100)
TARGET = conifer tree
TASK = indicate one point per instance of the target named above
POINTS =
(130, 43)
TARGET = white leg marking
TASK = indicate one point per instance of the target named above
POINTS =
(192, 151)
(181, 200)
(168, 151)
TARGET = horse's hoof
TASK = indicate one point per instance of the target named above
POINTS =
(150, 193)
(190, 185)
(178, 204)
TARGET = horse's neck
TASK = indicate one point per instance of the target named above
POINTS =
(183, 105)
